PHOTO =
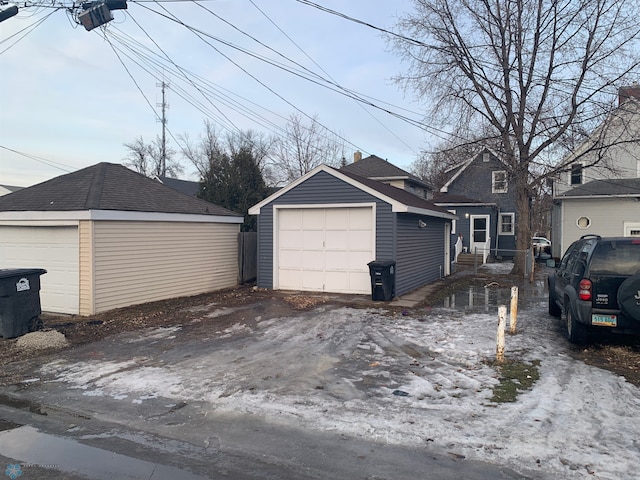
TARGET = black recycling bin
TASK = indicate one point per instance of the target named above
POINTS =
(383, 279)
(19, 301)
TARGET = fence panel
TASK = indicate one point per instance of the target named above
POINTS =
(247, 256)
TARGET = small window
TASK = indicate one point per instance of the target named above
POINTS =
(485, 157)
(499, 181)
(576, 174)
(507, 226)
(583, 222)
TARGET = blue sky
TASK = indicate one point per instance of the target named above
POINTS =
(67, 99)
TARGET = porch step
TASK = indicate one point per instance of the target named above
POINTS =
(470, 259)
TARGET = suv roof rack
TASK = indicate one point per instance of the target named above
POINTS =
(590, 235)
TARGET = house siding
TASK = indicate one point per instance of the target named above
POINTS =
(607, 217)
(321, 189)
(420, 257)
(138, 262)
(85, 230)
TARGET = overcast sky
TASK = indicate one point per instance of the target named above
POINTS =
(72, 98)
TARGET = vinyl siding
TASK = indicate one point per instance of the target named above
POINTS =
(321, 189)
(607, 217)
(138, 262)
(86, 267)
(420, 258)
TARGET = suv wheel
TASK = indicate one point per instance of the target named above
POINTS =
(576, 332)
(629, 297)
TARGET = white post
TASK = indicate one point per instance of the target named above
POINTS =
(502, 322)
(513, 322)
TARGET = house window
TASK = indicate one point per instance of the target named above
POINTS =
(499, 181)
(485, 157)
(507, 221)
(453, 223)
(576, 174)
(583, 222)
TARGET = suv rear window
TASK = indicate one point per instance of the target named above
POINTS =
(616, 258)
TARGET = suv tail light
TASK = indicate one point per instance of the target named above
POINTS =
(585, 289)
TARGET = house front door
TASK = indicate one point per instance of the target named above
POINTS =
(479, 232)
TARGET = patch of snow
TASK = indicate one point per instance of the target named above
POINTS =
(337, 371)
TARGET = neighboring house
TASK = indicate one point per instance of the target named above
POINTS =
(5, 189)
(375, 168)
(110, 237)
(619, 158)
(320, 232)
(478, 191)
(608, 208)
(185, 186)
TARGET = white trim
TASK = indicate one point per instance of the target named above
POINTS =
(453, 222)
(39, 223)
(599, 196)
(274, 254)
(396, 206)
(118, 215)
(588, 222)
(456, 204)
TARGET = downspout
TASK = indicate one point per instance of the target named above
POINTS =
(498, 233)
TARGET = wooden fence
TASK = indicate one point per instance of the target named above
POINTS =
(247, 257)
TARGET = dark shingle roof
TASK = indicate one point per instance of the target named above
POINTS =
(608, 187)
(397, 194)
(185, 186)
(107, 186)
(12, 188)
(377, 168)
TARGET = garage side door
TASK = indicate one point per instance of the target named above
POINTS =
(52, 248)
(325, 249)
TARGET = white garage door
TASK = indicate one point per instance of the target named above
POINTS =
(52, 248)
(325, 249)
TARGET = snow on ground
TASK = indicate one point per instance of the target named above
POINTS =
(425, 379)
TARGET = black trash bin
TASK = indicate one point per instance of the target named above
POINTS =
(19, 301)
(383, 279)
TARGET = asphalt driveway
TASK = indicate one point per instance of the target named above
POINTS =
(331, 390)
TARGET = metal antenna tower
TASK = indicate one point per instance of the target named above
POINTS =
(163, 119)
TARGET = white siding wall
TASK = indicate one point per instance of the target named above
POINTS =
(138, 262)
(607, 217)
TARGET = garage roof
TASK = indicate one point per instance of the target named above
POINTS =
(108, 187)
(400, 200)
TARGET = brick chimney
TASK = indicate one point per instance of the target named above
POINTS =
(625, 93)
(357, 156)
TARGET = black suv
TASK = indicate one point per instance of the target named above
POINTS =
(597, 285)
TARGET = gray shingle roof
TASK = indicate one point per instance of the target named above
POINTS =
(377, 168)
(185, 186)
(606, 187)
(398, 194)
(107, 186)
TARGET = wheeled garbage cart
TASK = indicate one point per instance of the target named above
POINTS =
(383, 279)
(19, 301)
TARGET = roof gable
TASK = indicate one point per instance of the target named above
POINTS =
(400, 200)
(454, 172)
(107, 186)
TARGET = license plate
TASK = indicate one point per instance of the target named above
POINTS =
(604, 320)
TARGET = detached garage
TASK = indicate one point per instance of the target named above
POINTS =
(320, 232)
(109, 237)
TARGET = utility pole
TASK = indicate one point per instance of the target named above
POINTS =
(163, 120)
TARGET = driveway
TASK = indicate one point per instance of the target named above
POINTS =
(338, 388)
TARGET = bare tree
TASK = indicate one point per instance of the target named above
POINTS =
(305, 146)
(535, 71)
(146, 158)
(213, 144)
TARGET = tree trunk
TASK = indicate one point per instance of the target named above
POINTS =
(523, 226)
